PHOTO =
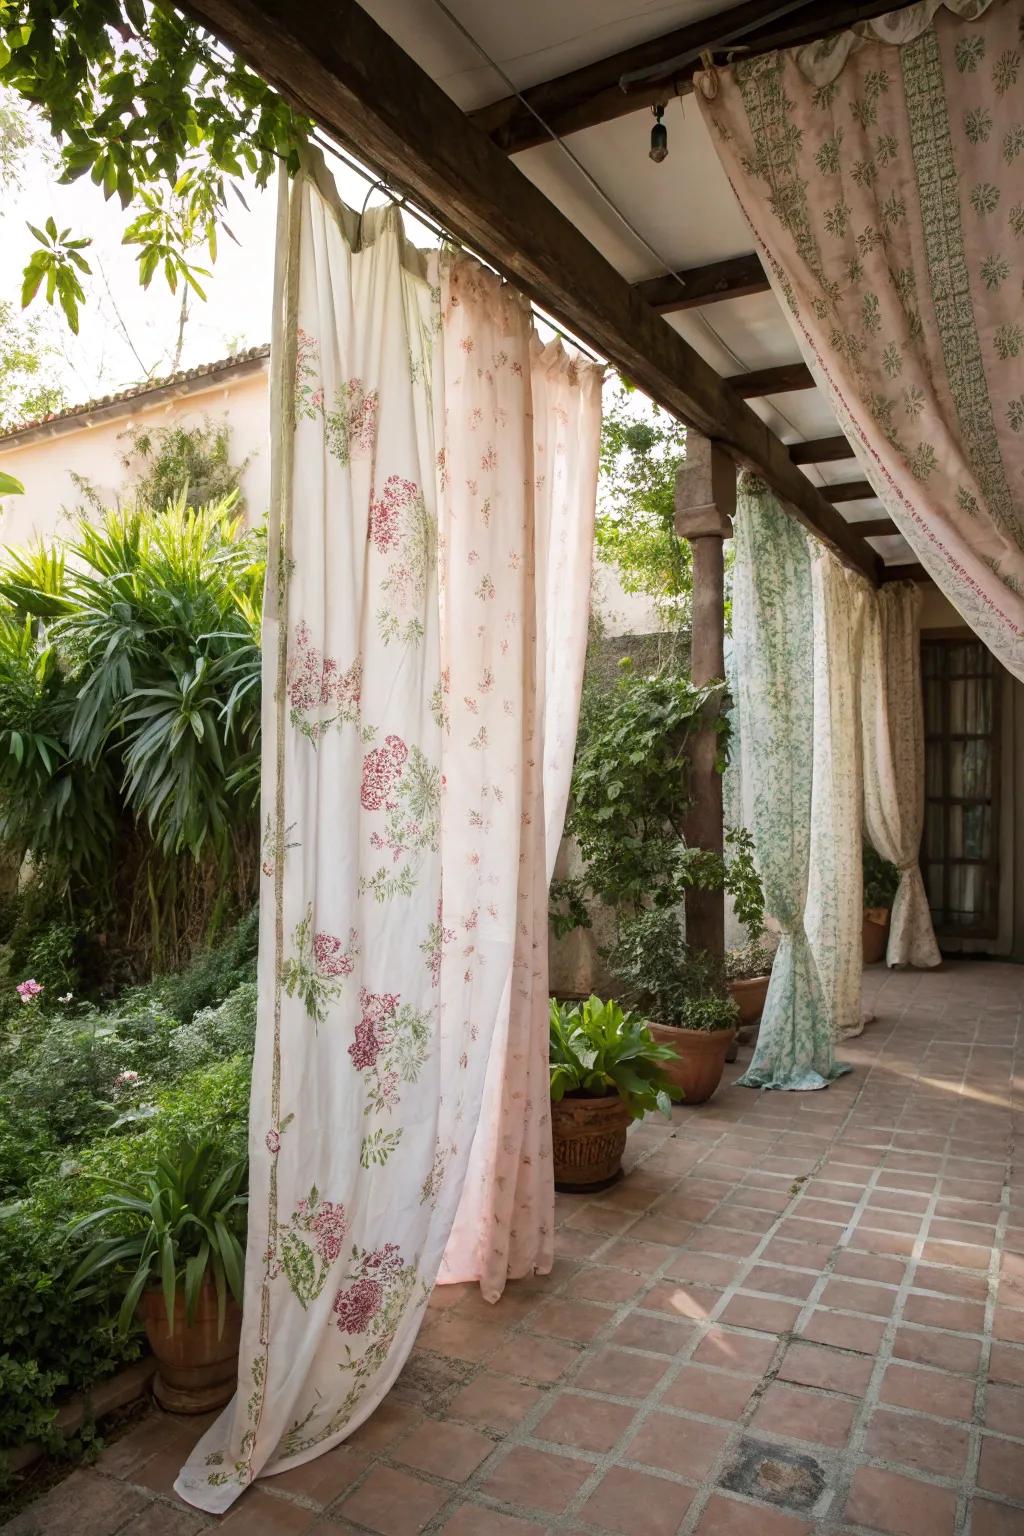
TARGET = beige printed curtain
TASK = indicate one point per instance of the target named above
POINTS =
(884, 184)
(435, 471)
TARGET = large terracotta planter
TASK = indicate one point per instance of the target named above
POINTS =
(749, 995)
(875, 934)
(589, 1138)
(196, 1370)
(701, 1059)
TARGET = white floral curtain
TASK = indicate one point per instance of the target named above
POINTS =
(834, 914)
(894, 764)
(772, 620)
(403, 975)
(886, 202)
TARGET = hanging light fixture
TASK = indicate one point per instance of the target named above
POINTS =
(659, 136)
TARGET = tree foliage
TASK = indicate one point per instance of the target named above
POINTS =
(27, 389)
(155, 111)
(641, 450)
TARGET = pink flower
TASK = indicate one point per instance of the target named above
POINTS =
(356, 1308)
(332, 959)
(385, 513)
(273, 1140)
(366, 1046)
(383, 1261)
(382, 768)
(377, 1006)
(126, 1079)
(29, 990)
(330, 1225)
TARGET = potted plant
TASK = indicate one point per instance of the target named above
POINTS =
(683, 994)
(881, 880)
(172, 1236)
(606, 1070)
(748, 968)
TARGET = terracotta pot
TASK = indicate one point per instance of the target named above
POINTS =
(701, 1053)
(197, 1371)
(875, 934)
(589, 1138)
(749, 995)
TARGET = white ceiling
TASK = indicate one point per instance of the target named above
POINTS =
(683, 208)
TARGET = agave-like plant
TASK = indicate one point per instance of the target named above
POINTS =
(171, 1227)
(596, 1049)
(129, 673)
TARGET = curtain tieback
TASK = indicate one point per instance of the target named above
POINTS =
(906, 868)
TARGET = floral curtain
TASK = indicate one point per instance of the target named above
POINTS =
(403, 920)
(834, 914)
(772, 620)
(887, 205)
(892, 715)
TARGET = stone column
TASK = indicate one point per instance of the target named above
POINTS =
(705, 503)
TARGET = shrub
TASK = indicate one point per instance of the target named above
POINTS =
(672, 983)
(57, 1342)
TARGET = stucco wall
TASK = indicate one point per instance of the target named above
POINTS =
(94, 447)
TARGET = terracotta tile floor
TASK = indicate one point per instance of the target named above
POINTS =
(799, 1313)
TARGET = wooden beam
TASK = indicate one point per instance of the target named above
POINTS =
(875, 528)
(771, 381)
(912, 572)
(851, 490)
(594, 93)
(821, 450)
(731, 279)
(338, 67)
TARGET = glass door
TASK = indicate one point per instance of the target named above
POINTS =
(960, 850)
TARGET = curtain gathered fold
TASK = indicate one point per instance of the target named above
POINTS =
(434, 466)
(773, 638)
(885, 201)
(835, 907)
(892, 714)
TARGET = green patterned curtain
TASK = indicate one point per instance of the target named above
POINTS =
(886, 197)
(773, 636)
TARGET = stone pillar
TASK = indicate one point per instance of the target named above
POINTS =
(705, 503)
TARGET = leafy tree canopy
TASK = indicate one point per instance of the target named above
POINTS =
(157, 112)
(26, 386)
(641, 449)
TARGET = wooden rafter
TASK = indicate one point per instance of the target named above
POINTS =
(594, 94)
(340, 68)
(850, 490)
(910, 572)
(731, 279)
(821, 450)
(771, 381)
(875, 528)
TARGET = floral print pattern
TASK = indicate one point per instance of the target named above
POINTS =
(407, 794)
(773, 639)
(919, 281)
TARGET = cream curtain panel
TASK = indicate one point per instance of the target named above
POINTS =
(435, 470)
(892, 716)
(773, 636)
(835, 906)
(887, 205)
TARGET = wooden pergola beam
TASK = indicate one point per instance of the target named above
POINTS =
(337, 66)
(875, 528)
(910, 572)
(850, 490)
(595, 93)
(821, 450)
(693, 286)
(771, 381)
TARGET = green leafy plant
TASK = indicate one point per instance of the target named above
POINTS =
(666, 979)
(881, 879)
(630, 786)
(747, 961)
(171, 1225)
(193, 462)
(58, 260)
(596, 1050)
(155, 110)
